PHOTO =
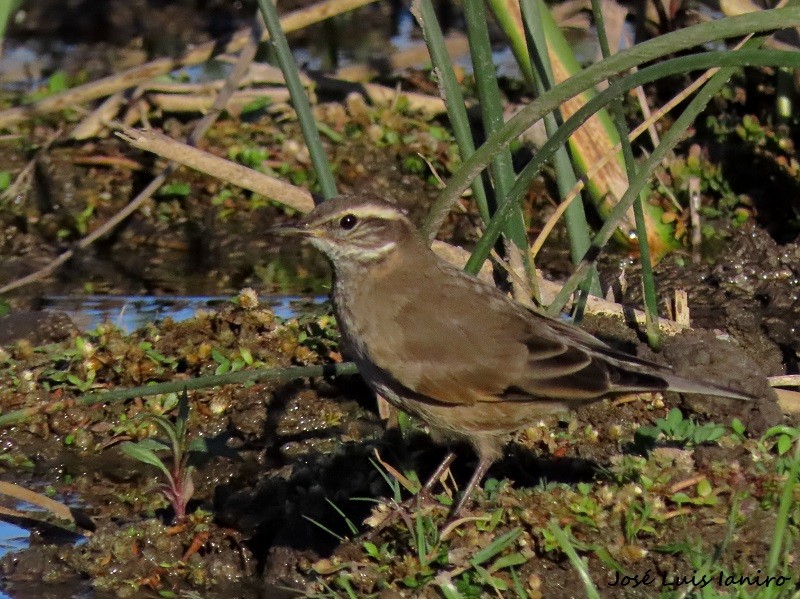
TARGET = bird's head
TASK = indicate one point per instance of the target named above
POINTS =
(354, 229)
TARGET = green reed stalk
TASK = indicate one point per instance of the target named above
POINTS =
(299, 99)
(670, 43)
(668, 142)
(646, 75)
(574, 216)
(492, 112)
(618, 117)
(451, 93)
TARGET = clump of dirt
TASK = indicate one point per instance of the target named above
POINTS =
(123, 558)
(298, 455)
(751, 292)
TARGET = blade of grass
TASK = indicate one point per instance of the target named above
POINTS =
(321, 526)
(350, 525)
(574, 216)
(646, 75)
(646, 51)
(574, 559)
(618, 117)
(450, 91)
(492, 112)
(784, 510)
(497, 546)
(299, 99)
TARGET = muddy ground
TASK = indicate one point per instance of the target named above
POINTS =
(301, 461)
(297, 469)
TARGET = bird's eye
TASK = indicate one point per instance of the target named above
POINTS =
(348, 222)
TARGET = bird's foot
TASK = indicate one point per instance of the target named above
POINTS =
(390, 512)
(406, 509)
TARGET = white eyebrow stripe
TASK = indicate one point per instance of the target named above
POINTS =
(371, 212)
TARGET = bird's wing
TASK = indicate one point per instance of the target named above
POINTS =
(489, 349)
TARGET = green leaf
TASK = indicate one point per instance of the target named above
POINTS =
(512, 559)
(223, 368)
(153, 444)
(496, 546)
(177, 188)
(704, 488)
(199, 445)
(650, 433)
(681, 498)
(674, 418)
(144, 455)
(246, 356)
(448, 590)
(711, 432)
(167, 427)
(496, 583)
(371, 549)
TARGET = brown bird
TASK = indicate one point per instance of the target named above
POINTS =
(452, 350)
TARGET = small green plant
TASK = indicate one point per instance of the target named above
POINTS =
(83, 218)
(637, 518)
(780, 440)
(677, 429)
(82, 385)
(318, 333)
(157, 357)
(175, 189)
(58, 82)
(179, 487)
(585, 507)
(226, 365)
(704, 495)
(250, 156)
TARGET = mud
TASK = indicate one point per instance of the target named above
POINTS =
(299, 469)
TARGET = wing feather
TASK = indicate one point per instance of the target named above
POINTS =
(491, 348)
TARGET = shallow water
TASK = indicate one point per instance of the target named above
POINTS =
(132, 312)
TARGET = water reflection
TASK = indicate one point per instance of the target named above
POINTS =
(133, 312)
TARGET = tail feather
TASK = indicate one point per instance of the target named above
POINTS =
(630, 374)
(685, 385)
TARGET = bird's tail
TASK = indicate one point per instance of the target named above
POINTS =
(685, 385)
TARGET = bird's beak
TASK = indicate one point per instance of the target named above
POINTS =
(298, 230)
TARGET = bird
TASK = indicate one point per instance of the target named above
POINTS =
(456, 352)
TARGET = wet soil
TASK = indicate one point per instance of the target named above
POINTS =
(266, 514)
(297, 469)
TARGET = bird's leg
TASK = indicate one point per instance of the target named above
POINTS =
(437, 474)
(477, 477)
(424, 492)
